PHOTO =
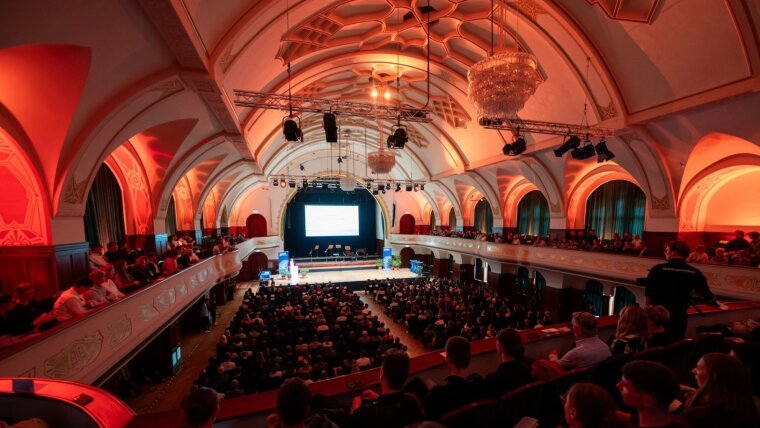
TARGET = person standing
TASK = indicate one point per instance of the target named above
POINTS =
(205, 320)
(670, 284)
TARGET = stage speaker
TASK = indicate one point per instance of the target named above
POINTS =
(331, 128)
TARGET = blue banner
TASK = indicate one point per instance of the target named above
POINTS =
(387, 254)
(282, 262)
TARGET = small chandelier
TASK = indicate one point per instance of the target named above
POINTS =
(501, 83)
(381, 161)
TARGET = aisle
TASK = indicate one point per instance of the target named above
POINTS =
(413, 345)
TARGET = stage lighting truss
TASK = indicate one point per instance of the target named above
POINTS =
(306, 182)
(301, 104)
(521, 126)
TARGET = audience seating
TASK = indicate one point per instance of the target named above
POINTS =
(526, 400)
(652, 354)
(476, 414)
(678, 358)
(607, 375)
(706, 343)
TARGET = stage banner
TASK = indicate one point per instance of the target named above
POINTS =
(282, 262)
(387, 255)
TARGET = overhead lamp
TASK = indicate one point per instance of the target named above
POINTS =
(331, 128)
(292, 130)
(408, 187)
(369, 185)
(275, 182)
(383, 191)
(387, 94)
(584, 152)
(282, 183)
(375, 192)
(374, 92)
(292, 184)
(422, 187)
(603, 153)
(381, 187)
(305, 183)
(571, 142)
(416, 187)
(398, 139)
(517, 147)
(398, 187)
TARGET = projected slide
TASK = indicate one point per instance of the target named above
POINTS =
(332, 220)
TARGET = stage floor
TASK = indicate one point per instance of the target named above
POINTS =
(354, 275)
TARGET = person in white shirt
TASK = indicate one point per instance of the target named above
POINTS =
(103, 286)
(589, 349)
(71, 303)
(96, 258)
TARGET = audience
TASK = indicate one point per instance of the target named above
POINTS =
(589, 406)
(649, 388)
(95, 258)
(71, 303)
(392, 407)
(632, 332)
(698, 256)
(292, 410)
(461, 387)
(200, 406)
(514, 371)
(589, 350)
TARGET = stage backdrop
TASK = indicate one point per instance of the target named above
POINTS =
(299, 244)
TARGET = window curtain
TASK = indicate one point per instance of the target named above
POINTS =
(483, 217)
(623, 297)
(478, 270)
(616, 207)
(104, 213)
(523, 280)
(432, 220)
(452, 219)
(533, 215)
(593, 297)
(171, 218)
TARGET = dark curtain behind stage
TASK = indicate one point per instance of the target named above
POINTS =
(299, 244)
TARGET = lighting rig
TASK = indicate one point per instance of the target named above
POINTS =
(311, 182)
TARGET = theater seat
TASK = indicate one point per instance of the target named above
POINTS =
(553, 410)
(607, 375)
(477, 414)
(518, 403)
(652, 354)
(678, 358)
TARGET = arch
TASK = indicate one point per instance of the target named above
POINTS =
(406, 254)
(432, 220)
(483, 217)
(256, 225)
(170, 221)
(452, 219)
(533, 214)
(257, 262)
(104, 212)
(623, 297)
(406, 224)
(579, 190)
(616, 207)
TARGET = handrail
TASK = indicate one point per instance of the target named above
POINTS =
(724, 280)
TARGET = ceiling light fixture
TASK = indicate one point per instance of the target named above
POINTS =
(329, 123)
(572, 142)
(603, 153)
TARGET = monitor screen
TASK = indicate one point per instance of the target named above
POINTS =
(331, 220)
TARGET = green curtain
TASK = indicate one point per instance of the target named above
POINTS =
(523, 280)
(104, 213)
(483, 217)
(432, 220)
(452, 219)
(593, 296)
(171, 218)
(478, 270)
(533, 215)
(616, 207)
(623, 297)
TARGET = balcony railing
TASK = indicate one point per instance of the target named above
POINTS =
(728, 281)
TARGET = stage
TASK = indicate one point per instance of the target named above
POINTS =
(355, 277)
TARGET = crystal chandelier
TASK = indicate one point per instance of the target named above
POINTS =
(381, 161)
(501, 83)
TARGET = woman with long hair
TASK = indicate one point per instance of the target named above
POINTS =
(632, 334)
(723, 396)
(589, 406)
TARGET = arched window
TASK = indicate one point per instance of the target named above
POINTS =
(523, 280)
(171, 218)
(483, 217)
(478, 270)
(623, 298)
(533, 215)
(616, 207)
(593, 297)
(452, 219)
(104, 214)
(432, 220)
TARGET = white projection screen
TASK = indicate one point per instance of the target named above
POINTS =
(332, 220)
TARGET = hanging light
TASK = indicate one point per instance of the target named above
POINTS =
(381, 161)
(501, 83)
(347, 184)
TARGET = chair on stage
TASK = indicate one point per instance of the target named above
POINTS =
(337, 251)
(314, 251)
(361, 252)
(328, 251)
(348, 253)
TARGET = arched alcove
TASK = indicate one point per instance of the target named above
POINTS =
(171, 218)
(533, 214)
(406, 254)
(593, 297)
(483, 219)
(256, 225)
(432, 220)
(104, 212)
(616, 207)
(406, 224)
(452, 219)
(623, 298)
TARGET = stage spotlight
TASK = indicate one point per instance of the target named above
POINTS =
(292, 184)
(422, 187)
(408, 187)
(584, 152)
(381, 187)
(571, 143)
(375, 192)
(305, 183)
(291, 130)
(369, 185)
(603, 153)
(275, 182)
(301, 167)
(331, 128)
(517, 147)
(416, 187)
(383, 191)
(398, 139)
(282, 183)
(398, 187)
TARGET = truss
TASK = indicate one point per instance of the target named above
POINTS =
(551, 128)
(318, 105)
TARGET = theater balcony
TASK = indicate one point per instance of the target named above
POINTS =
(91, 348)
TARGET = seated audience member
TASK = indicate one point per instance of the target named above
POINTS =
(650, 387)
(589, 406)
(104, 285)
(738, 243)
(183, 260)
(514, 371)
(170, 263)
(657, 317)
(741, 258)
(25, 309)
(95, 258)
(719, 258)
(589, 349)
(632, 333)
(461, 387)
(293, 402)
(192, 256)
(754, 243)
(392, 407)
(71, 303)
(698, 256)
(200, 406)
(122, 278)
(112, 253)
(152, 265)
(140, 271)
(724, 394)
(234, 390)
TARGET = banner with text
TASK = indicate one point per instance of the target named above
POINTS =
(387, 255)
(282, 262)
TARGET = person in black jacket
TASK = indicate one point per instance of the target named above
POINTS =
(514, 371)
(671, 284)
(461, 387)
